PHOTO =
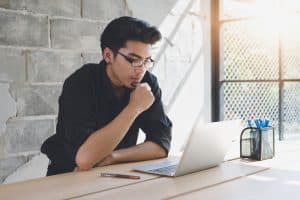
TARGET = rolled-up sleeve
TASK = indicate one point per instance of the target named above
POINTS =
(154, 121)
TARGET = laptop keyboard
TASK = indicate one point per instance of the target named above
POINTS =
(166, 170)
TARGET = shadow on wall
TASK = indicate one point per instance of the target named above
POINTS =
(183, 69)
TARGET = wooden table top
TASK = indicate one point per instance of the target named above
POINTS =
(232, 179)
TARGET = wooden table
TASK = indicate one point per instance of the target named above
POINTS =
(276, 178)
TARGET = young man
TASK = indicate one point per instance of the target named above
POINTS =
(103, 106)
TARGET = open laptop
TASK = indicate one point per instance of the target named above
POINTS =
(206, 147)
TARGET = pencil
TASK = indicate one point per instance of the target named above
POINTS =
(119, 175)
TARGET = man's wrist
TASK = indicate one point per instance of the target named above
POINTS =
(135, 111)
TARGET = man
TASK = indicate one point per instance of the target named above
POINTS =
(103, 106)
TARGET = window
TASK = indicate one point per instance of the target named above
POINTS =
(257, 72)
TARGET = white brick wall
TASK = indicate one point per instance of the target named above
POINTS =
(22, 29)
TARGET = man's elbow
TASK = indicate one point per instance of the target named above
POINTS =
(83, 163)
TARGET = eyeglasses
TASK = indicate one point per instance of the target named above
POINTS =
(138, 63)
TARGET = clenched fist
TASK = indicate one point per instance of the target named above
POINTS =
(141, 98)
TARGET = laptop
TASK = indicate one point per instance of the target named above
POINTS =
(206, 147)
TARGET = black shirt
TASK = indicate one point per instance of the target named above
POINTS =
(88, 103)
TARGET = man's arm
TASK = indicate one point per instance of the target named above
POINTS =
(102, 142)
(144, 151)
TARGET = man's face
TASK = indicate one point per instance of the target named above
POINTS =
(122, 69)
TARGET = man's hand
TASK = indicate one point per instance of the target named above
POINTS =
(141, 98)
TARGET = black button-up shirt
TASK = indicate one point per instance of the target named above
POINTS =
(88, 103)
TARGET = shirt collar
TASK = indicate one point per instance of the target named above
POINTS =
(108, 86)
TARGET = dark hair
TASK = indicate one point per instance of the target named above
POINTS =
(122, 29)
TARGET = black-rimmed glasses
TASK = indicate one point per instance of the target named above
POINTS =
(138, 63)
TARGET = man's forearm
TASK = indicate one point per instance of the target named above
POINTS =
(145, 151)
(102, 142)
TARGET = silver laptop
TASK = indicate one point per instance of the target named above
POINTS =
(206, 147)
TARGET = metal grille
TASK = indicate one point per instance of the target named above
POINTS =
(290, 48)
(244, 8)
(250, 101)
(259, 66)
(291, 107)
(249, 53)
